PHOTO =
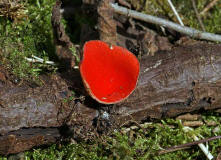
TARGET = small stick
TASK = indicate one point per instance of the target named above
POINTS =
(175, 12)
(187, 145)
(39, 60)
(201, 145)
(210, 5)
(124, 3)
(35, 59)
(173, 149)
(219, 156)
(198, 16)
(159, 21)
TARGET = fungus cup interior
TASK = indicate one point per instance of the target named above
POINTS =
(109, 73)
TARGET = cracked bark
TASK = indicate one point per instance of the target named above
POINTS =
(185, 79)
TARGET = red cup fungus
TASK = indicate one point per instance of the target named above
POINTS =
(109, 74)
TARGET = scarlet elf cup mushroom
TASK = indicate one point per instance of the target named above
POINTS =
(109, 73)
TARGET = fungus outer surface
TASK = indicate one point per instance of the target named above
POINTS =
(109, 74)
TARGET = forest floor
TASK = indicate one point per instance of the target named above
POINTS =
(27, 31)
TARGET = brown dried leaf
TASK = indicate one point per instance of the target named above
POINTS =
(189, 117)
(193, 123)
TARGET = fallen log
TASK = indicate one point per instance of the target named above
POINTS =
(26, 106)
(185, 79)
(173, 82)
(29, 112)
(24, 139)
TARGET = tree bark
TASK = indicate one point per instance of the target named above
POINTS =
(25, 139)
(185, 79)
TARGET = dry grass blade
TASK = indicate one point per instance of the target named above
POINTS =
(198, 16)
(175, 12)
(208, 7)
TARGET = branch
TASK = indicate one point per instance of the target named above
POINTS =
(201, 145)
(187, 145)
(159, 21)
(198, 16)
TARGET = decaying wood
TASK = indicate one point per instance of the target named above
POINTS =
(27, 105)
(179, 80)
(189, 117)
(24, 139)
(185, 79)
(106, 23)
(182, 80)
(62, 41)
(22, 105)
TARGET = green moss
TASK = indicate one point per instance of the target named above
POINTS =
(210, 20)
(31, 35)
(142, 143)
(160, 8)
(77, 57)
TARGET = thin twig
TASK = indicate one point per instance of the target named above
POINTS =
(175, 12)
(159, 21)
(219, 156)
(172, 149)
(35, 59)
(201, 145)
(187, 145)
(124, 3)
(39, 60)
(210, 5)
(198, 16)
